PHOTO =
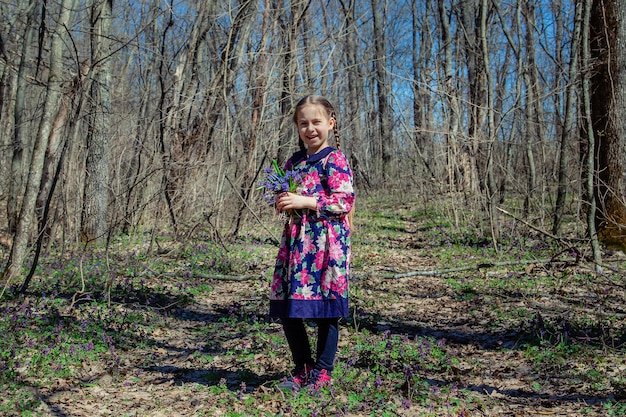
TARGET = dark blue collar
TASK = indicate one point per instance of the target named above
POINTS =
(311, 159)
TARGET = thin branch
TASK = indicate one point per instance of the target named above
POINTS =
(535, 228)
(276, 240)
(436, 272)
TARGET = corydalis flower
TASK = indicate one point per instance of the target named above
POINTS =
(278, 181)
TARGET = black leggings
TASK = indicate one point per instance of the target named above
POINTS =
(327, 340)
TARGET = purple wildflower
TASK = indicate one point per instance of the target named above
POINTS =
(278, 181)
(242, 391)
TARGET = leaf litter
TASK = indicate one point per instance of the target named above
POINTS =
(553, 346)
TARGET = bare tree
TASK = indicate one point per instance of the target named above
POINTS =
(607, 84)
(289, 20)
(258, 80)
(383, 135)
(204, 93)
(589, 135)
(53, 96)
(530, 106)
(451, 109)
(473, 156)
(94, 219)
(567, 133)
(352, 117)
(422, 50)
(505, 78)
(20, 137)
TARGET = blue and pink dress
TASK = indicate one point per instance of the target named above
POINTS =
(310, 277)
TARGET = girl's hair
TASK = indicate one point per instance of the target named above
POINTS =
(330, 112)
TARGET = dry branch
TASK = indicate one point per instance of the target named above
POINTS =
(220, 277)
(535, 228)
(435, 272)
(217, 277)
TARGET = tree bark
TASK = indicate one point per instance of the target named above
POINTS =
(473, 155)
(608, 112)
(19, 141)
(451, 106)
(94, 218)
(567, 134)
(491, 189)
(421, 54)
(13, 268)
(589, 135)
(356, 91)
(501, 91)
(531, 106)
(383, 135)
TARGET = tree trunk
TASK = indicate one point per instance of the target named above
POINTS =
(382, 90)
(491, 189)
(473, 157)
(356, 91)
(13, 268)
(608, 112)
(94, 219)
(531, 128)
(55, 154)
(589, 136)
(451, 112)
(19, 126)
(567, 134)
(501, 91)
(422, 106)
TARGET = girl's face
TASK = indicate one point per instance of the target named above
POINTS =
(314, 125)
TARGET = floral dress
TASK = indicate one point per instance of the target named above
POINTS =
(311, 273)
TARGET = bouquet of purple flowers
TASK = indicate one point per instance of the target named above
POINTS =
(278, 181)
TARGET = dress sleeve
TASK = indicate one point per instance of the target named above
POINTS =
(338, 195)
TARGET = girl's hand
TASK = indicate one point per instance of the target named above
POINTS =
(291, 201)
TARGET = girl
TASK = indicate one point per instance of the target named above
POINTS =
(310, 278)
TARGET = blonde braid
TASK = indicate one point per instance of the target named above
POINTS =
(350, 214)
(336, 130)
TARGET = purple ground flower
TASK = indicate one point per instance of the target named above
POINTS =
(88, 347)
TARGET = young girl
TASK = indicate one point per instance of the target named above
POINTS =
(310, 278)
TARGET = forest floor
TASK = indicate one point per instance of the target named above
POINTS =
(470, 332)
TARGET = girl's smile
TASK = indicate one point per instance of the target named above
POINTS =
(313, 127)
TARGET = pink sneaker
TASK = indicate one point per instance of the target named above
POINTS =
(298, 378)
(319, 379)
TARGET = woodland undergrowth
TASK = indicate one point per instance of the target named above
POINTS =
(445, 322)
